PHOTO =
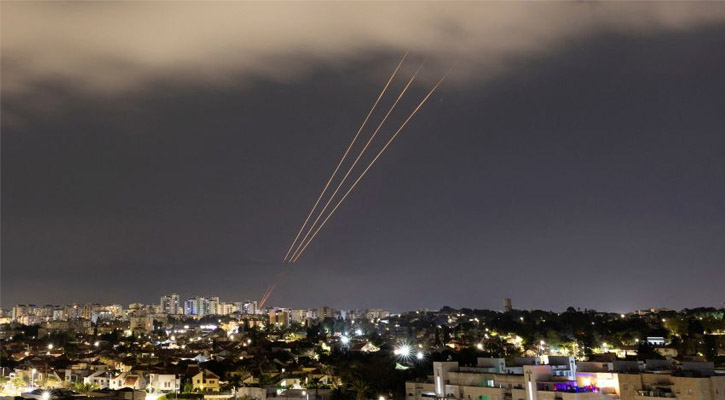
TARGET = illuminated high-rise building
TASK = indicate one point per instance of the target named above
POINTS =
(170, 304)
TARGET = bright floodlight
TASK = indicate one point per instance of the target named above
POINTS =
(419, 355)
(358, 332)
(50, 346)
(344, 339)
(479, 346)
(46, 395)
(404, 351)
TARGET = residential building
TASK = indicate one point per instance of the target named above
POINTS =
(205, 381)
(142, 323)
(163, 383)
(491, 379)
(279, 317)
(100, 379)
(199, 306)
(128, 380)
(325, 312)
(170, 304)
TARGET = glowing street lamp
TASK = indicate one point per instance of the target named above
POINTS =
(404, 351)
(344, 340)
(419, 355)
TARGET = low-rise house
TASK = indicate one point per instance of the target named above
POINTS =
(205, 381)
(100, 379)
(163, 383)
(128, 380)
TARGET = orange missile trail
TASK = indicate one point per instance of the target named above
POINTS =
(342, 159)
(270, 288)
(357, 159)
(267, 294)
(264, 296)
(299, 253)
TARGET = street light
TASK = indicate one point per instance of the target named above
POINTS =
(403, 351)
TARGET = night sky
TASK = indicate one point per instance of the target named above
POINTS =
(576, 155)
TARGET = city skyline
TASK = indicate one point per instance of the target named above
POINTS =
(183, 306)
(573, 157)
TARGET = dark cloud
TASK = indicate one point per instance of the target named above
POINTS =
(589, 172)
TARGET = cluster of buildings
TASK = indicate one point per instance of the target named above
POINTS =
(171, 359)
(563, 378)
(219, 350)
(172, 306)
(200, 306)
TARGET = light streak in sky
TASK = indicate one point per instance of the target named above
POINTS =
(342, 159)
(357, 159)
(271, 288)
(266, 294)
(362, 174)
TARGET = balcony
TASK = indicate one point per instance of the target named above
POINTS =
(654, 394)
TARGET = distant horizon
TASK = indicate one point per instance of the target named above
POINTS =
(393, 310)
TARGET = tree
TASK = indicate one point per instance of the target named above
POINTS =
(360, 388)
(20, 381)
(85, 388)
